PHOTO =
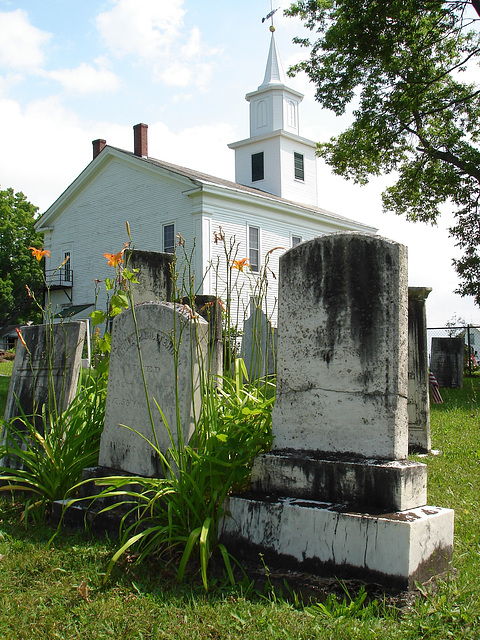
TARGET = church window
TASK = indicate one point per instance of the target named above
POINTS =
(299, 166)
(67, 269)
(254, 248)
(296, 240)
(261, 114)
(169, 238)
(258, 171)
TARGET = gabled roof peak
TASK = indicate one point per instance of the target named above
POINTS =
(274, 73)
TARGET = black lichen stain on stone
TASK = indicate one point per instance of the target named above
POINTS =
(345, 273)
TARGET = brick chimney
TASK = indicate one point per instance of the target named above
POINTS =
(140, 140)
(98, 146)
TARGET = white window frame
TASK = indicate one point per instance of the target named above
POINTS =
(302, 156)
(295, 240)
(167, 247)
(254, 267)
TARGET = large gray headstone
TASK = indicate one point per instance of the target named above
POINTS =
(342, 348)
(447, 361)
(173, 345)
(51, 361)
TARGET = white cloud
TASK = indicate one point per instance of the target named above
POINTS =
(86, 79)
(21, 44)
(8, 81)
(153, 32)
(144, 28)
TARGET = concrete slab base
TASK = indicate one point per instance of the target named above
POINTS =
(394, 549)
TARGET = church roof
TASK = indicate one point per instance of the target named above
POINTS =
(201, 179)
(206, 179)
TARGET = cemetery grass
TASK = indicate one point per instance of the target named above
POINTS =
(55, 590)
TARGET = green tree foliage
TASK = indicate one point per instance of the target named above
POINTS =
(17, 266)
(401, 65)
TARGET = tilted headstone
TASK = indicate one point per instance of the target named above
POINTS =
(336, 494)
(48, 367)
(173, 344)
(155, 282)
(258, 343)
(418, 396)
(447, 361)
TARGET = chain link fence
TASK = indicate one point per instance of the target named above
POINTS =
(471, 336)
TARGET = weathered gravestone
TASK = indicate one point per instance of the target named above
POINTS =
(259, 343)
(45, 371)
(173, 345)
(418, 397)
(155, 282)
(336, 494)
(447, 361)
(209, 307)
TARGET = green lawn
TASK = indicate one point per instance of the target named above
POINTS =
(6, 368)
(56, 591)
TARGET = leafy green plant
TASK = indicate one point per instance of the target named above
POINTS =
(51, 462)
(45, 448)
(177, 518)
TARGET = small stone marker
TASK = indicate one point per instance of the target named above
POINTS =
(258, 343)
(418, 397)
(174, 348)
(336, 494)
(50, 363)
(447, 361)
(155, 282)
(209, 307)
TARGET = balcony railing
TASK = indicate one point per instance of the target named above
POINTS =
(59, 278)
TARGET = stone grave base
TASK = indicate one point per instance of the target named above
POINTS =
(394, 549)
(389, 485)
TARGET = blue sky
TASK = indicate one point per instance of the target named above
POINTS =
(71, 72)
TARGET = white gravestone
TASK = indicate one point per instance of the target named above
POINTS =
(342, 348)
(173, 345)
(336, 494)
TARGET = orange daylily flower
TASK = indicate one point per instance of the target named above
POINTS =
(20, 337)
(240, 264)
(114, 259)
(39, 253)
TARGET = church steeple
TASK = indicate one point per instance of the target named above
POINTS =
(274, 73)
(275, 158)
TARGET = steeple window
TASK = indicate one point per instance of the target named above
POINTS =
(299, 166)
(262, 114)
(258, 169)
(292, 114)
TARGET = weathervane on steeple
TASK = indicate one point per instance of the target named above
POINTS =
(270, 15)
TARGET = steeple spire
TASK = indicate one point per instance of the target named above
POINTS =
(274, 73)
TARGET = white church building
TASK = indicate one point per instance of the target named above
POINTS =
(272, 203)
